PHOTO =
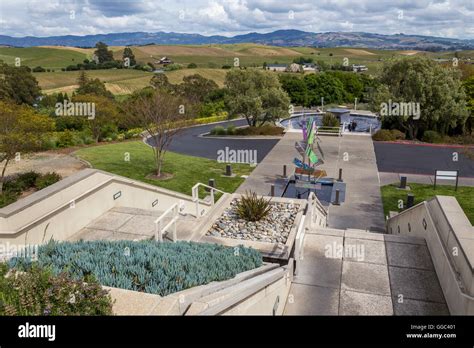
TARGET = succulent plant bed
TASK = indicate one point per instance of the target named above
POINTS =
(146, 266)
(275, 227)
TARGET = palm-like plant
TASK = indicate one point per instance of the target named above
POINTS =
(250, 207)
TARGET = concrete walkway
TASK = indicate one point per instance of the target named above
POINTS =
(270, 168)
(363, 206)
(373, 274)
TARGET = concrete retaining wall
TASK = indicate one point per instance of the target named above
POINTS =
(64, 208)
(267, 295)
(450, 239)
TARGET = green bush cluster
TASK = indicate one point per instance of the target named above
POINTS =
(388, 135)
(147, 266)
(329, 120)
(219, 130)
(172, 67)
(17, 184)
(36, 291)
(431, 136)
(46, 180)
(233, 130)
(67, 138)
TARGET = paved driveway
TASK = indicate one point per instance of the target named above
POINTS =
(418, 159)
(189, 143)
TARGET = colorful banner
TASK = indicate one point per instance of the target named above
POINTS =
(313, 159)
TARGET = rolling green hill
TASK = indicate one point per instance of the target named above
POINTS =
(209, 59)
(48, 58)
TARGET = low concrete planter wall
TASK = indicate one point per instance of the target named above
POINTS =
(270, 251)
(262, 298)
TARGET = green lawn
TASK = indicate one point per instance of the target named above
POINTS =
(464, 195)
(187, 170)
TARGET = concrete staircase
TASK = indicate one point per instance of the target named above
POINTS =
(137, 224)
(356, 272)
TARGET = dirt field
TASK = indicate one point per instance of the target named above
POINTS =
(45, 162)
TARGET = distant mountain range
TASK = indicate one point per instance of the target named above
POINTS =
(276, 38)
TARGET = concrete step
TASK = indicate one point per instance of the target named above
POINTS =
(366, 234)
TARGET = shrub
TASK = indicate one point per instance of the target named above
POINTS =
(69, 123)
(7, 198)
(39, 69)
(398, 135)
(133, 133)
(46, 180)
(108, 131)
(192, 66)
(219, 130)
(231, 129)
(250, 207)
(263, 130)
(430, 136)
(27, 179)
(383, 135)
(23, 181)
(149, 266)
(65, 139)
(38, 292)
(330, 120)
(173, 67)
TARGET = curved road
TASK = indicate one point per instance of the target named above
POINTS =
(422, 159)
(189, 143)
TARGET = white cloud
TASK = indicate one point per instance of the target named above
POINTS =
(230, 17)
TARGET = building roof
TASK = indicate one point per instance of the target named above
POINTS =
(277, 65)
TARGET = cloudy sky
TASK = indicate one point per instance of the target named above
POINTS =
(448, 18)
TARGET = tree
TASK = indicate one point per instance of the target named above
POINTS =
(102, 53)
(353, 86)
(469, 88)
(159, 114)
(436, 89)
(296, 88)
(128, 53)
(256, 95)
(160, 81)
(303, 60)
(95, 87)
(21, 131)
(196, 88)
(18, 84)
(324, 86)
(82, 79)
(106, 114)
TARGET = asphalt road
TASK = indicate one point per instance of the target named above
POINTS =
(416, 159)
(189, 143)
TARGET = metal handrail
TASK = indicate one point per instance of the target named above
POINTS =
(329, 130)
(299, 240)
(195, 195)
(159, 229)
